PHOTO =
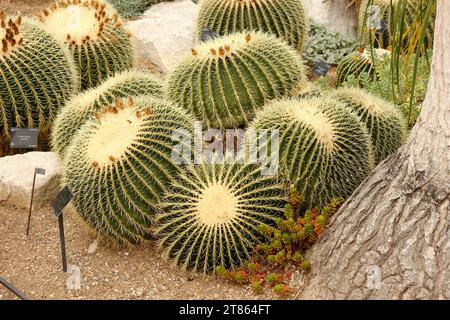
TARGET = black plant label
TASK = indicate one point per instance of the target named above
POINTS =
(61, 201)
(207, 34)
(24, 138)
(321, 68)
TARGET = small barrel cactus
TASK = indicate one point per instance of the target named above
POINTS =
(83, 106)
(306, 89)
(94, 33)
(325, 150)
(284, 18)
(37, 76)
(119, 165)
(385, 122)
(379, 15)
(224, 81)
(360, 62)
(212, 214)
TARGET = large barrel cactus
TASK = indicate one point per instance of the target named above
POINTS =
(226, 80)
(94, 33)
(212, 214)
(284, 18)
(360, 62)
(37, 76)
(119, 165)
(373, 13)
(84, 105)
(325, 150)
(385, 122)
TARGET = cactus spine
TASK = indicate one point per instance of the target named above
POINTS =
(226, 80)
(83, 106)
(119, 165)
(37, 76)
(384, 121)
(212, 214)
(325, 150)
(94, 33)
(284, 18)
(360, 62)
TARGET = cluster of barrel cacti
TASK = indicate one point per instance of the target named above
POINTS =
(116, 138)
(37, 76)
(70, 46)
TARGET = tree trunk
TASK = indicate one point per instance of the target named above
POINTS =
(391, 239)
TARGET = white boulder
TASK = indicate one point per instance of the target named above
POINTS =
(165, 32)
(16, 179)
(333, 14)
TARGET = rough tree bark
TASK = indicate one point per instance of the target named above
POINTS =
(391, 240)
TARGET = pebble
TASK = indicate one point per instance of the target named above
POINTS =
(93, 247)
(74, 279)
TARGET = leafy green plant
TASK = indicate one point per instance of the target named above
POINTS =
(284, 18)
(224, 81)
(326, 45)
(294, 233)
(37, 76)
(94, 33)
(119, 165)
(132, 8)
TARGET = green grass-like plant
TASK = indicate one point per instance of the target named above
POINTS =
(324, 149)
(410, 12)
(212, 213)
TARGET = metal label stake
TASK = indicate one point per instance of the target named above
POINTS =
(58, 205)
(36, 172)
(10, 287)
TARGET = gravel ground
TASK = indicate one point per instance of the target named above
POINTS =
(26, 7)
(33, 265)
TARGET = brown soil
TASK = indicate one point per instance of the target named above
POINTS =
(33, 265)
(23, 7)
